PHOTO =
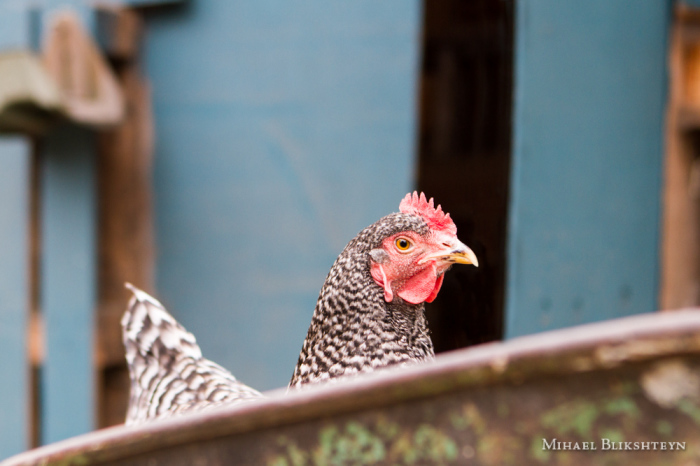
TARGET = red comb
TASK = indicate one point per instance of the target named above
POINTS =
(434, 217)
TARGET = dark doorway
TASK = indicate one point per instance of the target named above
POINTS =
(464, 156)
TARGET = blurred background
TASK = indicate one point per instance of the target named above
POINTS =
(220, 155)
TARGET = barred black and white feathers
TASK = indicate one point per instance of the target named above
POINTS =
(369, 315)
(168, 374)
(370, 312)
(353, 329)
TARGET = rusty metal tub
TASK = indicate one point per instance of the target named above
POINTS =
(625, 391)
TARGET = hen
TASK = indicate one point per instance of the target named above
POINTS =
(369, 315)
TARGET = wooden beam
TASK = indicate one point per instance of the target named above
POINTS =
(126, 250)
(680, 252)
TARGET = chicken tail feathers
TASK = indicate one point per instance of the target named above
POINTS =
(168, 374)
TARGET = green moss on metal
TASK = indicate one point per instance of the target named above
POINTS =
(473, 418)
(386, 428)
(503, 409)
(277, 461)
(354, 444)
(690, 408)
(73, 460)
(536, 451)
(435, 444)
(297, 457)
(622, 405)
(665, 428)
(577, 416)
(403, 450)
(383, 442)
(494, 433)
(500, 448)
(612, 434)
(458, 421)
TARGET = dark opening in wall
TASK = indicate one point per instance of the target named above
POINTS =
(464, 156)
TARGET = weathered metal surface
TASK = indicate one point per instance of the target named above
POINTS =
(616, 387)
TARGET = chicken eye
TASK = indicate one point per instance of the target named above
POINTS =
(402, 244)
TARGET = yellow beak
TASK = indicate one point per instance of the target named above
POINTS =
(456, 252)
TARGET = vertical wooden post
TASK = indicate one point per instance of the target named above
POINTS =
(124, 198)
(680, 273)
(68, 281)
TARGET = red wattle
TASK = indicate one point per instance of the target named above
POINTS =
(436, 289)
(423, 286)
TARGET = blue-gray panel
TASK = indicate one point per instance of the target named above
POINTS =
(590, 92)
(68, 273)
(282, 129)
(68, 282)
(14, 25)
(15, 156)
(137, 3)
(690, 3)
(14, 294)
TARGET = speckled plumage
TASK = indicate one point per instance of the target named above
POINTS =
(353, 329)
(360, 323)
(168, 374)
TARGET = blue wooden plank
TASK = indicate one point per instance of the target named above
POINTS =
(68, 282)
(15, 31)
(14, 294)
(15, 156)
(68, 275)
(590, 91)
(283, 129)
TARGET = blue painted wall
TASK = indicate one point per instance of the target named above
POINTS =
(68, 282)
(15, 156)
(282, 129)
(68, 260)
(590, 93)
(15, 163)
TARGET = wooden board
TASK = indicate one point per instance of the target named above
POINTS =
(126, 251)
(680, 271)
